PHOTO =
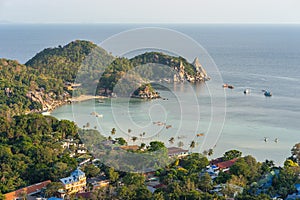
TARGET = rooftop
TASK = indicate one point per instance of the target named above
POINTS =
(75, 175)
(26, 190)
(226, 164)
(176, 150)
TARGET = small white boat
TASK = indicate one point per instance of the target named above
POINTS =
(247, 91)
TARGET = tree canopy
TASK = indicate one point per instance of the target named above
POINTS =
(30, 150)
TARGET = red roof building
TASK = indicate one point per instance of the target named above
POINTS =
(29, 190)
(226, 164)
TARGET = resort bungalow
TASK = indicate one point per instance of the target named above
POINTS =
(74, 183)
(219, 164)
(225, 165)
(26, 192)
(177, 152)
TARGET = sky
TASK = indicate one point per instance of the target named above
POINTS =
(150, 11)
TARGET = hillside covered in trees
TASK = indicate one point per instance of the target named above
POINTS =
(17, 80)
(31, 151)
(40, 84)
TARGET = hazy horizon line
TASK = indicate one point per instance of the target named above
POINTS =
(143, 23)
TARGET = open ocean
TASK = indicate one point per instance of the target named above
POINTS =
(247, 56)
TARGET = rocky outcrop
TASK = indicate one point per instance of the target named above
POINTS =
(49, 101)
(145, 92)
(200, 74)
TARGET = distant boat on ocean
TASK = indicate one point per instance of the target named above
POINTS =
(247, 91)
(268, 93)
(227, 86)
(168, 126)
(96, 114)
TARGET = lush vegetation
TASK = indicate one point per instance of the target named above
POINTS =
(163, 59)
(31, 152)
(124, 76)
(66, 62)
(46, 74)
(31, 145)
(16, 80)
(86, 63)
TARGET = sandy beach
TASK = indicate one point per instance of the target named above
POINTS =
(86, 97)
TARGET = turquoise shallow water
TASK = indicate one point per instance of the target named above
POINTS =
(245, 124)
(248, 56)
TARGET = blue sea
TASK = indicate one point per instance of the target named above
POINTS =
(247, 56)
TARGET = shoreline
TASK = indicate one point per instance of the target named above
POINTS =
(82, 98)
(72, 100)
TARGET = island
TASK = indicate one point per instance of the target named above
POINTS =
(81, 70)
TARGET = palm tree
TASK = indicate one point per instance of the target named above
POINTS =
(180, 144)
(210, 152)
(134, 138)
(129, 131)
(113, 131)
(171, 140)
(142, 135)
(193, 144)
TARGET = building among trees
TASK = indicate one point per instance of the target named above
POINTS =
(26, 191)
(74, 183)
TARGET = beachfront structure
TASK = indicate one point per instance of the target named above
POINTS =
(74, 183)
(225, 165)
(177, 152)
(218, 165)
(26, 192)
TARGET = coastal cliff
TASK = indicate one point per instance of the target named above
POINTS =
(48, 101)
(200, 74)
